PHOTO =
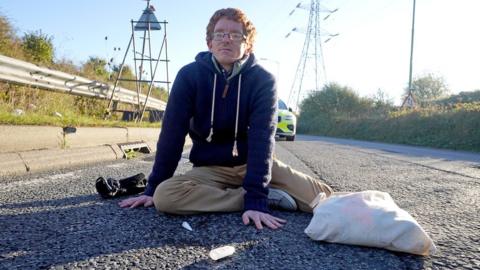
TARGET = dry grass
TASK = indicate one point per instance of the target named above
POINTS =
(20, 105)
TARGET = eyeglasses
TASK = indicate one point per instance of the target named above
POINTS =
(218, 36)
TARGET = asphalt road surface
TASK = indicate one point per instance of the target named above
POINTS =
(55, 220)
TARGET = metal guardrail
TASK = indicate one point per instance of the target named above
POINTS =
(24, 73)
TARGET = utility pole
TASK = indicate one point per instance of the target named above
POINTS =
(409, 100)
(312, 48)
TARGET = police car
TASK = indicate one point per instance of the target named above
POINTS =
(287, 122)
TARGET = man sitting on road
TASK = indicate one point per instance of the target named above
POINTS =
(227, 103)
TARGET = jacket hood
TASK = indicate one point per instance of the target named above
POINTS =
(205, 58)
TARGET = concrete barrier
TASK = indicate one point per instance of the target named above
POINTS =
(24, 138)
(26, 149)
(142, 134)
(93, 136)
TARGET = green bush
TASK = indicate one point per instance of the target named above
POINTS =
(322, 110)
(38, 47)
(457, 127)
(337, 111)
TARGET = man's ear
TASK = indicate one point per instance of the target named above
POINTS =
(249, 49)
(209, 44)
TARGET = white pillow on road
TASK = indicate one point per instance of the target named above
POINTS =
(368, 218)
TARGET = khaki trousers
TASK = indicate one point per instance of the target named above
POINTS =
(219, 189)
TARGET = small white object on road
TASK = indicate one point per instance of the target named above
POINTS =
(221, 252)
(187, 226)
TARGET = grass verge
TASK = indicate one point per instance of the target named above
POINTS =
(456, 128)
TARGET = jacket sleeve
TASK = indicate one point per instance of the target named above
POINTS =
(261, 142)
(173, 132)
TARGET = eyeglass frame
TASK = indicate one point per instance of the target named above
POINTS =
(229, 35)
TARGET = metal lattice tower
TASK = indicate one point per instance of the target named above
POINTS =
(144, 61)
(311, 58)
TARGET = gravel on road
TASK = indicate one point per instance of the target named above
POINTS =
(55, 220)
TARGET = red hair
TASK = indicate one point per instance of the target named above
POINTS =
(236, 15)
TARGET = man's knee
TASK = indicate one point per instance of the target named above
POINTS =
(161, 198)
(169, 195)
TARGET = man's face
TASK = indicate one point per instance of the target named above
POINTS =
(226, 50)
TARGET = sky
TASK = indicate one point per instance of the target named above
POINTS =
(371, 51)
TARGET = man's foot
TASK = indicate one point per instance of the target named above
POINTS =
(281, 200)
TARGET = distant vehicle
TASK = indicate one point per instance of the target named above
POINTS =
(287, 122)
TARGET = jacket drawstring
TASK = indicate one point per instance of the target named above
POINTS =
(235, 150)
(209, 138)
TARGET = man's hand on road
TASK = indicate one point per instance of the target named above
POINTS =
(260, 218)
(144, 200)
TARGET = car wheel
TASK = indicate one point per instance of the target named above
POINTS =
(291, 138)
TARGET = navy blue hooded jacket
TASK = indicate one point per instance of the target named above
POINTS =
(189, 110)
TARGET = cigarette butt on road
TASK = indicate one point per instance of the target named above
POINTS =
(221, 252)
(187, 226)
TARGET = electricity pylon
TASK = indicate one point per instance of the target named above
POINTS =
(312, 52)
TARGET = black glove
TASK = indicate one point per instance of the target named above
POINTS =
(112, 188)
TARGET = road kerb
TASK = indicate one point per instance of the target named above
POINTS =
(41, 160)
(11, 163)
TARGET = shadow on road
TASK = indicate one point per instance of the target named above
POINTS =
(85, 230)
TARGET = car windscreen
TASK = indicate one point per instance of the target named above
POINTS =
(282, 105)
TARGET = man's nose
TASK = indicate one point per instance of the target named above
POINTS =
(226, 37)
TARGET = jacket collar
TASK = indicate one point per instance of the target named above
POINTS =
(237, 66)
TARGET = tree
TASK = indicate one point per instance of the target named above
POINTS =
(336, 99)
(382, 102)
(462, 97)
(428, 88)
(322, 110)
(10, 44)
(96, 68)
(6, 34)
(38, 47)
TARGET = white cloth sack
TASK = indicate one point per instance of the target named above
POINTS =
(367, 218)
